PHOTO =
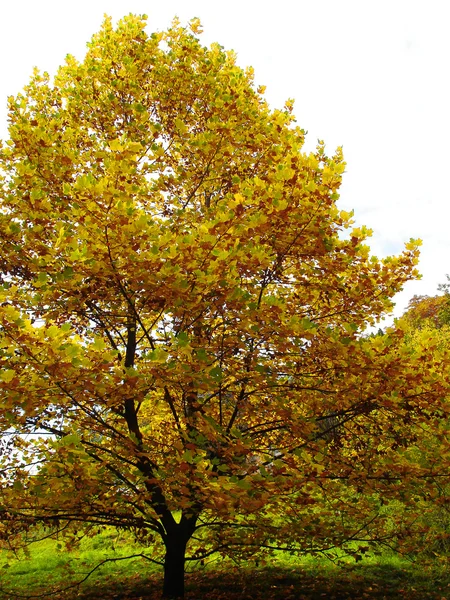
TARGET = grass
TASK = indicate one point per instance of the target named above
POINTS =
(49, 568)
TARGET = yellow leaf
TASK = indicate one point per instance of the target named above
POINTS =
(7, 375)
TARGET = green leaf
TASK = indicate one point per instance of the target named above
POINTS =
(187, 457)
(350, 327)
(182, 339)
(99, 343)
(244, 484)
(158, 355)
(139, 108)
(307, 324)
(72, 438)
(202, 355)
(53, 331)
(216, 372)
(68, 273)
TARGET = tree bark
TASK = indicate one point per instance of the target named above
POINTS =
(174, 567)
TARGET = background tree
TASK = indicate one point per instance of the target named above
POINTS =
(423, 311)
(427, 324)
(181, 310)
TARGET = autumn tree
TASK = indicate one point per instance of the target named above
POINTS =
(181, 309)
(425, 311)
(427, 325)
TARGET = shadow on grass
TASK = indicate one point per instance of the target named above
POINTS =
(369, 582)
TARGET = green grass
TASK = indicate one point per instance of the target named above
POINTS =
(50, 568)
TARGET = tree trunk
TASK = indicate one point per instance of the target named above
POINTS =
(174, 567)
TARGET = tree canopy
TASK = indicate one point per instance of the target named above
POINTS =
(428, 310)
(181, 317)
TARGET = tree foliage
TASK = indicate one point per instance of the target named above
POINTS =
(425, 311)
(182, 302)
(427, 325)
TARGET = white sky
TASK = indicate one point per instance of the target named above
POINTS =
(370, 75)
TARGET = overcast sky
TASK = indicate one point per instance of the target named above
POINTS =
(372, 76)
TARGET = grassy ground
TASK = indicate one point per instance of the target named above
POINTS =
(50, 568)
